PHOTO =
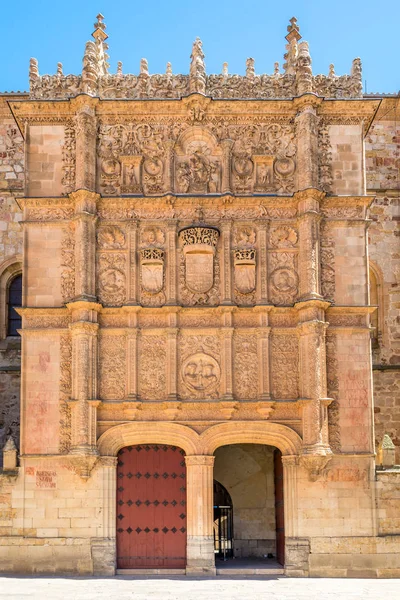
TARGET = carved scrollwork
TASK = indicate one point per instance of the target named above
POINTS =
(111, 280)
(112, 353)
(69, 157)
(283, 282)
(284, 366)
(245, 367)
(152, 373)
(68, 263)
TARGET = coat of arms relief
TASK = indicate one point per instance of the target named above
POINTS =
(152, 258)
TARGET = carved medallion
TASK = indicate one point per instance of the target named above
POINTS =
(199, 247)
(284, 166)
(201, 372)
(284, 282)
(245, 270)
(152, 265)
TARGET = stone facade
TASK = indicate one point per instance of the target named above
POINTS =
(197, 272)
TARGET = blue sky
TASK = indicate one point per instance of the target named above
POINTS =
(164, 30)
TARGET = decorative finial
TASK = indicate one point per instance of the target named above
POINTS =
(9, 445)
(290, 56)
(119, 68)
(250, 72)
(60, 69)
(276, 68)
(144, 66)
(33, 70)
(332, 71)
(225, 69)
(356, 74)
(303, 69)
(168, 70)
(197, 77)
(99, 32)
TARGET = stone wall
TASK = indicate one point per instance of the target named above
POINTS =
(11, 187)
(383, 180)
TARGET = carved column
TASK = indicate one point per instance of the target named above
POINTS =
(309, 235)
(226, 166)
(307, 141)
(85, 244)
(313, 385)
(84, 381)
(172, 362)
(290, 465)
(200, 515)
(262, 267)
(264, 385)
(225, 267)
(171, 263)
(133, 268)
(86, 133)
(226, 334)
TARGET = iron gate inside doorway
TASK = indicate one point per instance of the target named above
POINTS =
(223, 522)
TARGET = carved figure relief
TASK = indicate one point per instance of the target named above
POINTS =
(153, 236)
(244, 236)
(284, 280)
(198, 166)
(283, 237)
(131, 175)
(264, 175)
(110, 237)
(111, 280)
(201, 373)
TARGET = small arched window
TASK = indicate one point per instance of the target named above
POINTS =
(14, 301)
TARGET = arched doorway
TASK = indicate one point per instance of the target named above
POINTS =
(223, 522)
(249, 479)
(151, 507)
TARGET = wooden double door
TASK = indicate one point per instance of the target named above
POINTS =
(151, 507)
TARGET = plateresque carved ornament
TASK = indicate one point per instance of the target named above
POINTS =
(201, 373)
(199, 245)
(245, 270)
(152, 265)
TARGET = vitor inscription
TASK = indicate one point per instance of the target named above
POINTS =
(46, 479)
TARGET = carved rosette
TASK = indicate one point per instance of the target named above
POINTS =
(198, 281)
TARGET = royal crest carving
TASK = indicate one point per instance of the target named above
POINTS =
(199, 244)
(245, 270)
(152, 276)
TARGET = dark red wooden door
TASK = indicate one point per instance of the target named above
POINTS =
(151, 507)
(279, 507)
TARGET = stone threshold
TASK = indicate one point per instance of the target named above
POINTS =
(150, 572)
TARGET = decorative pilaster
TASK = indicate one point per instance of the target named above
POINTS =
(226, 165)
(307, 141)
(226, 333)
(262, 270)
(133, 268)
(264, 385)
(200, 515)
(309, 236)
(290, 465)
(132, 364)
(169, 166)
(313, 384)
(85, 139)
(108, 465)
(225, 268)
(172, 362)
(85, 244)
(171, 264)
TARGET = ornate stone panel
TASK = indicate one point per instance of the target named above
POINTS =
(199, 371)
(112, 366)
(111, 278)
(283, 281)
(327, 254)
(152, 367)
(284, 365)
(332, 372)
(65, 392)
(245, 366)
(199, 268)
(68, 262)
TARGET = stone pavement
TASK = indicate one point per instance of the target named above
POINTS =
(184, 588)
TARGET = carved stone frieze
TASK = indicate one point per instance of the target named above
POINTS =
(284, 365)
(69, 158)
(152, 373)
(112, 366)
(245, 367)
(332, 376)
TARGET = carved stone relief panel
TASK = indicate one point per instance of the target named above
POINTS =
(112, 366)
(152, 276)
(327, 251)
(245, 371)
(110, 237)
(65, 392)
(111, 278)
(198, 163)
(332, 372)
(284, 365)
(283, 280)
(68, 263)
(152, 367)
(244, 262)
(69, 158)
(199, 267)
(199, 367)
(283, 236)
